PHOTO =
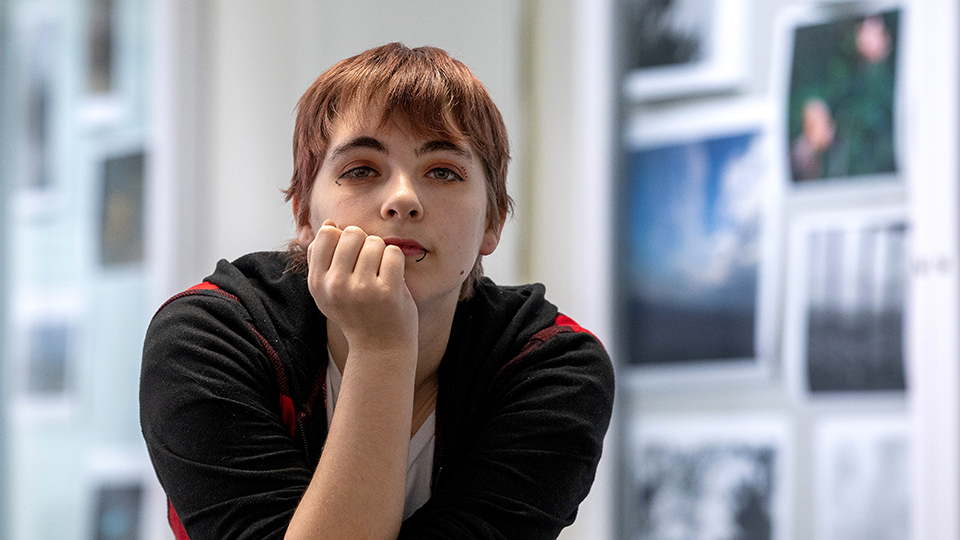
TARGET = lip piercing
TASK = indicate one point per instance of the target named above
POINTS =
(422, 256)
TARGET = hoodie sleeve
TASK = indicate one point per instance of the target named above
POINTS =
(211, 417)
(534, 448)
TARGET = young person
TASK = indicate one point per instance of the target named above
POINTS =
(369, 382)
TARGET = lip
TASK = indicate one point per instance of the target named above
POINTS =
(410, 248)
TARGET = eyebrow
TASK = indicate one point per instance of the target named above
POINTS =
(359, 142)
(443, 146)
(365, 141)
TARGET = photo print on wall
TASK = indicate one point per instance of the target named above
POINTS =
(122, 220)
(697, 261)
(841, 117)
(675, 48)
(846, 298)
(706, 477)
(862, 477)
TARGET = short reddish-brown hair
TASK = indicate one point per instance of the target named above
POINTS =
(431, 93)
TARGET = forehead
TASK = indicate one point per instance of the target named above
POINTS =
(377, 114)
(375, 130)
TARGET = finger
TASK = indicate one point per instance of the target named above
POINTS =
(321, 250)
(348, 249)
(368, 261)
(391, 265)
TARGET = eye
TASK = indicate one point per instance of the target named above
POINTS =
(359, 172)
(443, 173)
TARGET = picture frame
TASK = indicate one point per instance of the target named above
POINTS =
(862, 477)
(677, 48)
(39, 40)
(838, 78)
(845, 310)
(121, 178)
(110, 77)
(46, 345)
(122, 496)
(698, 235)
(694, 476)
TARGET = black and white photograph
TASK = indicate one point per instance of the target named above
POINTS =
(862, 477)
(681, 47)
(697, 227)
(122, 212)
(848, 291)
(705, 478)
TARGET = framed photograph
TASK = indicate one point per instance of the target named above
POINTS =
(706, 477)
(840, 83)
(697, 223)
(846, 298)
(45, 343)
(110, 68)
(122, 222)
(862, 477)
(680, 47)
(119, 493)
(39, 46)
(101, 53)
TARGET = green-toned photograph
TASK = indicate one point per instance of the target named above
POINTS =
(841, 105)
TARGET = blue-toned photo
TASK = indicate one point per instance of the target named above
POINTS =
(691, 241)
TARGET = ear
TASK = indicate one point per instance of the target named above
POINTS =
(305, 232)
(491, 238)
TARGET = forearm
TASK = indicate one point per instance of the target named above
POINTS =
(357, 490)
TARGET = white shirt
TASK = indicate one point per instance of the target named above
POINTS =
(419, 456)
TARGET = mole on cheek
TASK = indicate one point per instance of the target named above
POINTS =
(461, 272)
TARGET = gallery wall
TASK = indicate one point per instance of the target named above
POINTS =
(826, 434)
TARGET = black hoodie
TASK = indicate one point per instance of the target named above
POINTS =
(525, 397)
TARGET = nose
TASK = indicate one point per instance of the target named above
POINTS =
(401, 199)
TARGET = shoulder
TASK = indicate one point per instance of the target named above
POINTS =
(505, 334)
(223, 324)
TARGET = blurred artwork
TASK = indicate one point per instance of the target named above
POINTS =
(40, 41)
(697, 479)
(667, 32)
(49, 351)
(118, 511)
(854, 334)
(681, 47)
(122, 220)
(45, 341)
(100, 47)
(691, 248)
(862, 478)
(842, 94)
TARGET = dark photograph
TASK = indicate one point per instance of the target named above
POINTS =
(854, 333)
(666, 32)
(842, 94)
(122, 220)
(118, 509)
